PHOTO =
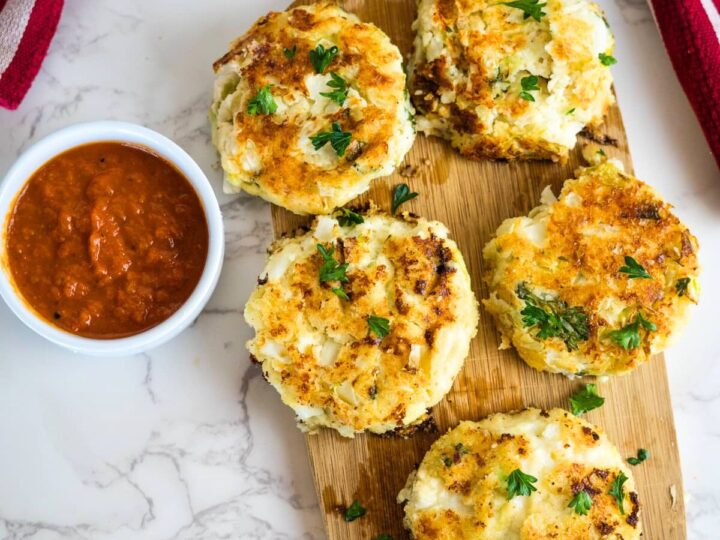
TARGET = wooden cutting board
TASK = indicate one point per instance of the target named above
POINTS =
(472, 198)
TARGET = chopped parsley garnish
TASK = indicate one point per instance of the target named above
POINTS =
(401, 194)
(617, 491)
(606, 59)
(634, 269)
(554, 318)
(348, 218)
(337, 138)
(681, 286)
(528, 84)
(628, 337)
(340, 292)
(383, 537)
(570, 111)
(530, 8)
(321, 58)
(642, 455)
(290, 53)
(379, 326)
(354, 511)
(586, 399)
(602, 153)
(447, 461)
(331, 270)
(581, 502)
(340, 92)
(519, 483)
(263, 102)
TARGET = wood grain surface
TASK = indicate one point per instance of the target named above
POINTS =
(472, 198)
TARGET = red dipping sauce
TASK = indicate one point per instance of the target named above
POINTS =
(107, 240)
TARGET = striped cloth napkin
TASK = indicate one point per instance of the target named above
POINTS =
(26, 28)
(691, 32)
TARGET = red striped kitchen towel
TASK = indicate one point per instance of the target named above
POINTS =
(26, 28)
(691, 30)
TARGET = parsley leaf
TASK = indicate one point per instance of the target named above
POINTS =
(528, 84)
(554, 318)
(616, 490)
(348, 218)
(634, 269)
(383, 537)
(378, 325)
(519, 483)
(530, 8)
(606, 59)
(570, 111)
(628, 337)
(581, 502)
(354, 511)
(263, 102)
(341, 89)
(290, 53)
(337, 138)
(340, 292)
(331, 270)
(586, 399)
(321, 58)
(401, 194)
(681, 286)
(642, 455)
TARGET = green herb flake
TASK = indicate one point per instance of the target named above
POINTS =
(586, 399)
(379, 326)
(570, 111)
(634, 269)
(340, 89)
(262, 103)
(290, 53)
(681, 286)
(348, 218)
(447, 461)
(354, 511)
(617, 491)
(383, 537)
(528, 84)
(337, 138)
(519, 483)
(553, 318)
(401, 194)
(642, 455)
(628, 337)
(530, 8)
(320, 58)
(340, 292)
(331, 270)
(581, 503)
(606, 59)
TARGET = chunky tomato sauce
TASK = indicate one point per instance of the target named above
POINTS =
(107, 240)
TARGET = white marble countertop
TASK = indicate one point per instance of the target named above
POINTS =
(187, 441)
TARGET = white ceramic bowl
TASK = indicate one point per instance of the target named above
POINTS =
(78, 134)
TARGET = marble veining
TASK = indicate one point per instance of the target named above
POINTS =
(187, 441)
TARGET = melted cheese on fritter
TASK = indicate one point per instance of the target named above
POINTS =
(470, 57)
(317, 350)
(272, 155)
(572, 249)
(459, 492)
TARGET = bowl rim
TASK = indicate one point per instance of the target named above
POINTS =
(112, 131)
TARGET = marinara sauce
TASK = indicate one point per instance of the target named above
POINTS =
(106, 240)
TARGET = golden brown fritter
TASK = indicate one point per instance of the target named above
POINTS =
(269, 151)
(611, 269)
(461, 492)
(317, 344)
